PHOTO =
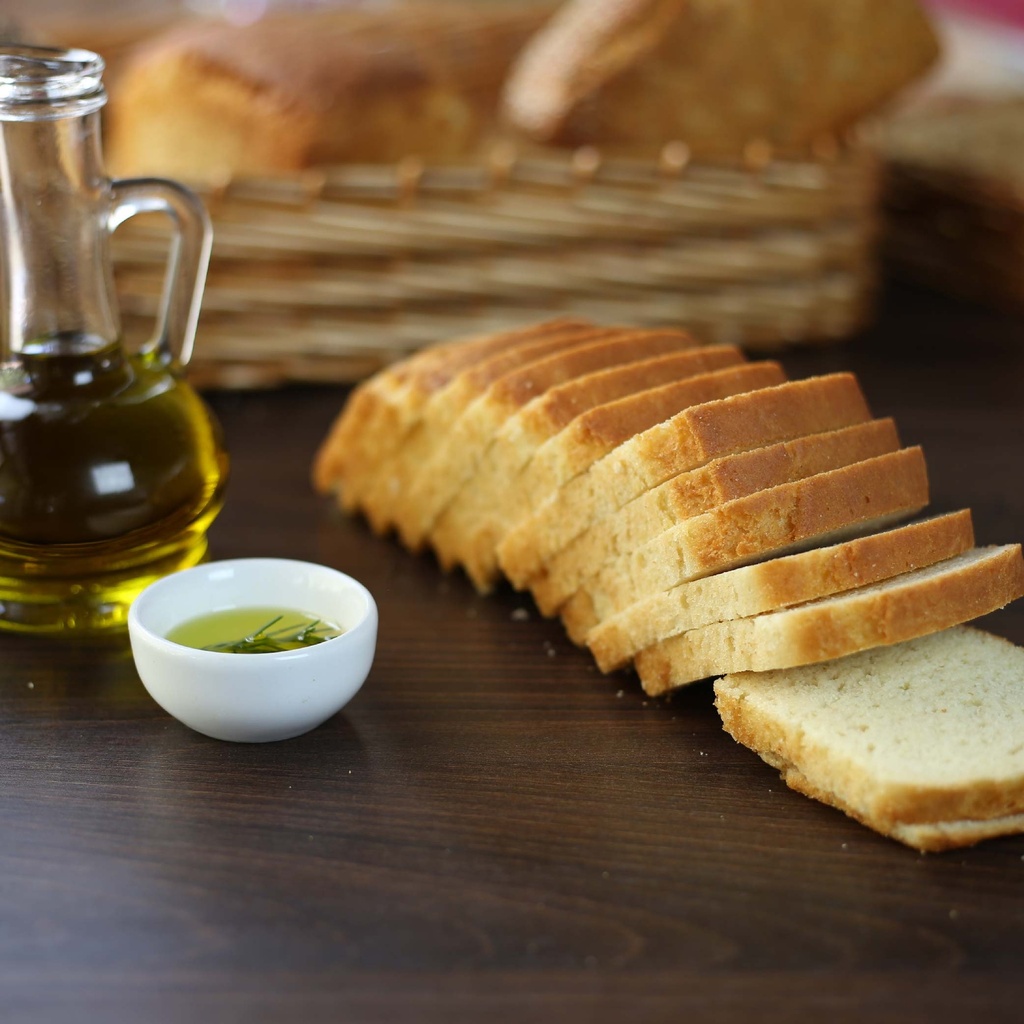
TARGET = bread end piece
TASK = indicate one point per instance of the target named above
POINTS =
(919, 741)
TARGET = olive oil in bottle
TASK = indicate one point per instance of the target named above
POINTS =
(111, 470)
(111, 467)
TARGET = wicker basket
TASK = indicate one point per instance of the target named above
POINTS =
(954, 198)
(329, 276)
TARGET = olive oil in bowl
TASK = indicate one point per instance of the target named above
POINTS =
(253, 631)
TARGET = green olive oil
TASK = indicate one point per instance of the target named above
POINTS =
(111, 471)
(253, 631)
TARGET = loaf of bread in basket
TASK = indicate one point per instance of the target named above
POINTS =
(370, 83)
(356, 84)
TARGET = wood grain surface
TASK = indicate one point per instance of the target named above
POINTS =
(493, 831)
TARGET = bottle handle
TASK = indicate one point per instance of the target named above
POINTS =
(187, 261)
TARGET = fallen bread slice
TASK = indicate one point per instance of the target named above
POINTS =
(599, 431)
(467, 532)
(917, 603)
(820, 509)
(686, 441)
(456, 455)
(391, 477)
(690, 494)
(382, 409)
(920, 740)
(778, 583)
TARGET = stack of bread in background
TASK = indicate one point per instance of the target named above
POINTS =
(434, 79)
(681, 508)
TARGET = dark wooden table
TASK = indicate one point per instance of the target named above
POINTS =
(493, 831)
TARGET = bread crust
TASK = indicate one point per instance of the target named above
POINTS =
(491, 500)
(690, 494)
(389, 477)
(778, 583)
(817, 509)
(685, 441)
(928, 817)
(457, 456)
(907, 607)
(293, 90)
(698, 71)
(597, 432)
(381, 410)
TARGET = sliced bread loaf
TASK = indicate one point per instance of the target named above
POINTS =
(382, 409)
(920, 741)
(389, 479)
(686, 441)
(597, 432)
(820, 509)
(911, 605)
(690, 494)
(778, 583)
(456, 455)
(467, 532)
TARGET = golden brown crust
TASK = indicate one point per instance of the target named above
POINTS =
(572, 450)
(458, 460)
(613, 424)
(640, 73)
(436, 471)
(901, 609)
(371, 423)
(493, 498)
(720, 428)
(390, 472)
(561, 404)
(900, 615)
(779, 583)
(683, 442)
(695, 492)
(515, 390)
(598, 432)
(746, 529)
(294, 90)
(812, 507)
(928, 818)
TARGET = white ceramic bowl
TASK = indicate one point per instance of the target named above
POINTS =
(253, 698)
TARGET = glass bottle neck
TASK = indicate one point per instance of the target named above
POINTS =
(56, 287)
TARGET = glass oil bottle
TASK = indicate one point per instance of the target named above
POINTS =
(111, 466)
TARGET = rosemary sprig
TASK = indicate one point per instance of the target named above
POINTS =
(266, 640)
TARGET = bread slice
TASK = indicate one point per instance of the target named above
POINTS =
(690, 494)
(598, 432)
(381, 410)
(683, 442)
(820, 509)
(917, 603)
(778, 583)
(920, 741)
(389, 478)
(457, 454)
(470, 528)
